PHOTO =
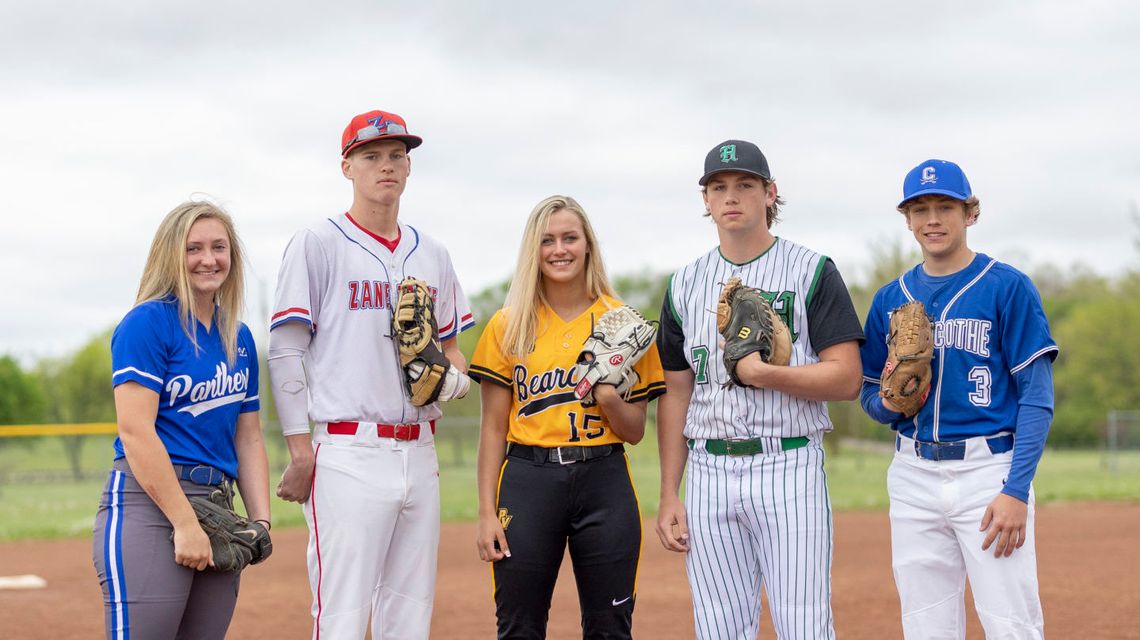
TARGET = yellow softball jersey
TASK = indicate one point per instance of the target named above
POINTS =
(544, 411)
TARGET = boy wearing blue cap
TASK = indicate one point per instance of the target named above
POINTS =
(960, 482)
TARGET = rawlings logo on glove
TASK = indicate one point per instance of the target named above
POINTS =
(234, 541)
(428, 374)
(749, 325)
(618, 340)
(905, 382)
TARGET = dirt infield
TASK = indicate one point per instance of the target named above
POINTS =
(1087, 563)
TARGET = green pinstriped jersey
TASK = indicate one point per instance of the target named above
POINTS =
(789, 274)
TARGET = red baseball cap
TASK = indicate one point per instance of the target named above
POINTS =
(376, 125)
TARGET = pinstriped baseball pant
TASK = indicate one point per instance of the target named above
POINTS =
(759, 521)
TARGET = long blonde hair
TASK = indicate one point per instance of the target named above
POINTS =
(527, 291)
(166, 274)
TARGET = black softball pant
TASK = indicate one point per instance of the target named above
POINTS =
(590, 505)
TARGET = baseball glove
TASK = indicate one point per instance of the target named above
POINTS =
(905, 382)
(748, 323)
(618, 340)
(421, 355)
(234, 540)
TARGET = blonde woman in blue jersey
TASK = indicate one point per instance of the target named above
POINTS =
(756, 513)
(960, 482)
(185, 379)
(553, 472)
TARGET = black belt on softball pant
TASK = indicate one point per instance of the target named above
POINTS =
(562, 455)
(956, 450)
(747, 447)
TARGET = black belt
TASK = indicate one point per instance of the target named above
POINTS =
(563, 455)
(956, 450)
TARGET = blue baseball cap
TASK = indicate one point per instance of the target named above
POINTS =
(939, 177)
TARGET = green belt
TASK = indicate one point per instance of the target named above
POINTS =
(748, 447)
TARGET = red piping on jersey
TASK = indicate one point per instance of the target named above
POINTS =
(316, 540)
(286, 312)
(390, 245)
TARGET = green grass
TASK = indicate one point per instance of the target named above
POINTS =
(31, 506)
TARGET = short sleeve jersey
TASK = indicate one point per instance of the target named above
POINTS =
(200, 394)
(805, 290)
(340, 280)
(544, 411)
(988, 325)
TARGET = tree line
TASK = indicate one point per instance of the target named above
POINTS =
(1092, 317)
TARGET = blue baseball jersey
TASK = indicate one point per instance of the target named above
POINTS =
(988, 325)
(200, 394)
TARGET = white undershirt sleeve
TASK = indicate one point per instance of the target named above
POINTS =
(287, 346)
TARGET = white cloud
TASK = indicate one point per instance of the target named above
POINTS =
(114, 112)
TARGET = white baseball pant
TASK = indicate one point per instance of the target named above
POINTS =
(936, 510)
(373, 534)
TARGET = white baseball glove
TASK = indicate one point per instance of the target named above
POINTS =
(618, 340)
(455, 383)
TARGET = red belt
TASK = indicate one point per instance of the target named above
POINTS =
(396, 431)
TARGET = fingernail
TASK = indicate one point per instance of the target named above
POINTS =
(507, 553)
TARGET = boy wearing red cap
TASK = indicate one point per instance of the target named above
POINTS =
(368, 477)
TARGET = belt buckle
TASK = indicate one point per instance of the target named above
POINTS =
(197, 473)
(402, 432)
(558, 450)
(952, 451)
(939, 451)
(739, 446)
(928, 450)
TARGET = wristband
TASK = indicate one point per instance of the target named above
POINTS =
(268, 524)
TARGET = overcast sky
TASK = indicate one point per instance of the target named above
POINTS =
(113, 112)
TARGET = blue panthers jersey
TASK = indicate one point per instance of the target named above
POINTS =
(988, 325)
(200, 395)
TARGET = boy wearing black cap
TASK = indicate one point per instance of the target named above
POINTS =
(960, 482)
(756, 511)
(367, 478)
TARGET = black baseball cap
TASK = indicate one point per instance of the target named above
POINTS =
(735, 155)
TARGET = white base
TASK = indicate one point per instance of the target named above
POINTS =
(28, 581)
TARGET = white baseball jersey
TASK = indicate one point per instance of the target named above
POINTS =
(789, 273)
(340, 280)
(762, 518)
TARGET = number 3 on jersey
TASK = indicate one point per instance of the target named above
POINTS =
(585, 428)
(982, 380)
